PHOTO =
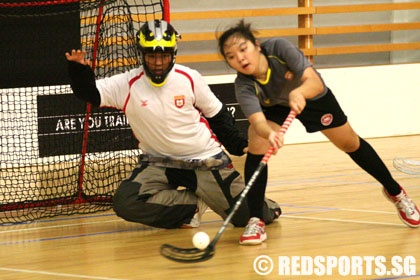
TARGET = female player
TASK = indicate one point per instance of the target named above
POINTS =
(266, 95)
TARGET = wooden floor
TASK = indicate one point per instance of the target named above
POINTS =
(331, 209)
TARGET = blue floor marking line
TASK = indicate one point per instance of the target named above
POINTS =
(56, 219)
(65, 237)
(399, 277)
(316, 209)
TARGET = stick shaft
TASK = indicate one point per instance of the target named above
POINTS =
(261, 165)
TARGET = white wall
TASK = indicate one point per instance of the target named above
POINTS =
(379, 101)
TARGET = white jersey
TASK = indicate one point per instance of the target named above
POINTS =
(167, 120)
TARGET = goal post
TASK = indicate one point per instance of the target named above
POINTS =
(57, 154)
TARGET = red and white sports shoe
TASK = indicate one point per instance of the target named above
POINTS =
(407, 210)
(196, 219)
(254, 233)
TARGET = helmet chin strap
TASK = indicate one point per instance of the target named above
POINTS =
(157, 84)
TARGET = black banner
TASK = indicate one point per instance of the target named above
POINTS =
(61, 121)
(226, 93)
(33, 40)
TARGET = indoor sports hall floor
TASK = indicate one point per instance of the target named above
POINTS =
(331, 209)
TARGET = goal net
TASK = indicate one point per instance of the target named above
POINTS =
(57, 154)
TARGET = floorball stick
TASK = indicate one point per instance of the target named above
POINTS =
(191, 255)
(409, 166)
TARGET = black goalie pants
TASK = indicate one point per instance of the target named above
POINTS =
(167, 197)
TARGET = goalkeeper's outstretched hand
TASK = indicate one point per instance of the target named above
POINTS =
(77, 56)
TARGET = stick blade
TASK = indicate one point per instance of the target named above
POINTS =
(407, 166)
(188, 255)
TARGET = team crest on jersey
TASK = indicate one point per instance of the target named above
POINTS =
(327, 119)
(179, 101)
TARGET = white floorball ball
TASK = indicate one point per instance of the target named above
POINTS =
(201, 240)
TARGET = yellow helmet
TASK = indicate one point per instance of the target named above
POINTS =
(157, 36)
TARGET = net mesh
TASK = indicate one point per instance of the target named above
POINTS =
(59, 156)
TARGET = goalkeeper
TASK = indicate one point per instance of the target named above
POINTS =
(180, 125)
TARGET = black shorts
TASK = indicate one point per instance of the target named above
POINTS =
(319, 114)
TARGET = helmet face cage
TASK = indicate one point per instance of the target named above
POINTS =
(155, 37)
